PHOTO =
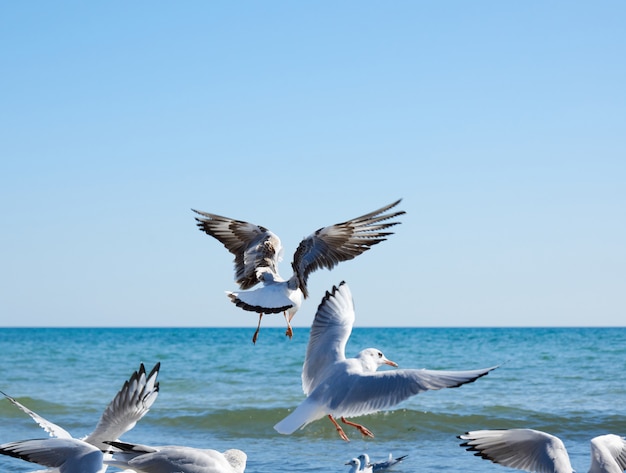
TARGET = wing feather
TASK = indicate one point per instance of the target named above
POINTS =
(329, 334)
(50, 427)
(524, 449)
(254, 246)
(330, 245)
(129, 405)
(384, 389)
(608, 454)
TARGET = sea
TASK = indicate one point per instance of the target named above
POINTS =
(220, 391)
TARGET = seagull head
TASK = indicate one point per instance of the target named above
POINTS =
(373, 358)
(354, 462)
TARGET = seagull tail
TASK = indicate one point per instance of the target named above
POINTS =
(305, 413)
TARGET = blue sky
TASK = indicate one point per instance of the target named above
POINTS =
(502, 125)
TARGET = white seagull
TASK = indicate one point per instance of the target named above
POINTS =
(356, 466)
(381, 465)
(337, 386)
(71, 455)
(536, 451)
(258, 251)
(171, 458)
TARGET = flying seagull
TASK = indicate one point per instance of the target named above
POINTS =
(258, 251)
(537, 451)
(337, 386)
(85, 455)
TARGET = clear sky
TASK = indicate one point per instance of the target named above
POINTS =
(502, 125)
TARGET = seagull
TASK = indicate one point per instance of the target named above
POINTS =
(258, 251)
(382, 465)
(536, 451)
(71, 455)
(356, 466)
(337, 386)
(144, 459)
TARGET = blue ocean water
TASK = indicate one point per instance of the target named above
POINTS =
(220, 391)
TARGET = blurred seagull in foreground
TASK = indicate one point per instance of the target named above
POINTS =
(536, 451)
(337, 386)
(144, 459)
(258, 251)
(381, 465)
(85, 455)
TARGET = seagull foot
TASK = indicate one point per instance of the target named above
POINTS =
(340, 431)
(361, 428)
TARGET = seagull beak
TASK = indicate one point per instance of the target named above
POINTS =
(391, 363)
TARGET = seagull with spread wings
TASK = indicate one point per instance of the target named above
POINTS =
(337, 386)
(537, 451)
(258, 251)
(71, 455)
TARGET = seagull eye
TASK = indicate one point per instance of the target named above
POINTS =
(380, 355)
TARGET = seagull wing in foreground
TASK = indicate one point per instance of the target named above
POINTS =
(257, 253)
(67, 454)
(524, 449)
(130, 404)
(146, 459)
(76, 455)
(352, 387)
(608, 454)
(50, 427)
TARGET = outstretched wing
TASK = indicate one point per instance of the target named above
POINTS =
(330, 245)
(608, 454)
(254, 246)
(130, 404)
(385, 389)
(524, 449)
(329, 334)
(50, 427)
(69, 455)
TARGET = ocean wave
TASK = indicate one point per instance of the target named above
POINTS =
(400, 423)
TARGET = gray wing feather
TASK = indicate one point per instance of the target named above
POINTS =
(330, 245)
(385, 389)
(66, 454)
(254, 246)
(524, 449)
(130, 404)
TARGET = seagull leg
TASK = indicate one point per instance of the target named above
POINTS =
(258, 327)
(289, 331)
(359, 427)
(340, 431)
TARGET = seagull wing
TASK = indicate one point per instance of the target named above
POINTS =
(254, 246)
(130, 404)
(50, 427)
(608, 454)
(69, 455)
(358, 394)
(329, 334)
(524, 449)
(330, 245)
